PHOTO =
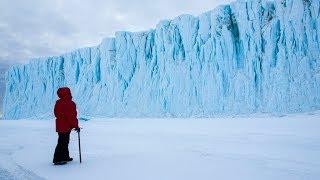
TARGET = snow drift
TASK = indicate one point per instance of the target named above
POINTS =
(255, 56)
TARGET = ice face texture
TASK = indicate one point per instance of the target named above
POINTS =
(246, 57)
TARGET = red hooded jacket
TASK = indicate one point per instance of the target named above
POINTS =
(65, 111)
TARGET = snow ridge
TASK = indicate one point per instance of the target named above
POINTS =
(246, 57)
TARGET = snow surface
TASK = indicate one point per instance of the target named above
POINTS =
(251, 148)
(255, 56)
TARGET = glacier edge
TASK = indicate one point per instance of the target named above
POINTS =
(246, 57)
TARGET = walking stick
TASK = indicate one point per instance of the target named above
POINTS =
(79, 145)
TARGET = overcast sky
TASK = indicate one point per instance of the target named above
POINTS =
(35, 28)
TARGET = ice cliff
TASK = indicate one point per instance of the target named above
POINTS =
(246, 57)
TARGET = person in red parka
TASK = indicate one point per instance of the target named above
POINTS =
(66, 119)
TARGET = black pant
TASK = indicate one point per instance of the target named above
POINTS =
(62, 152)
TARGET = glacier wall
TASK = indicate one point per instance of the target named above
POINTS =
(246, 57)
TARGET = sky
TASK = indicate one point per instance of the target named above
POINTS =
(38, 28)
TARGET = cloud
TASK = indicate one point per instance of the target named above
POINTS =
(36, 28)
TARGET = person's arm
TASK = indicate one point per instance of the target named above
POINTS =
(73, 120)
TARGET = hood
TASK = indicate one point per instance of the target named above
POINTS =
(64, 93)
